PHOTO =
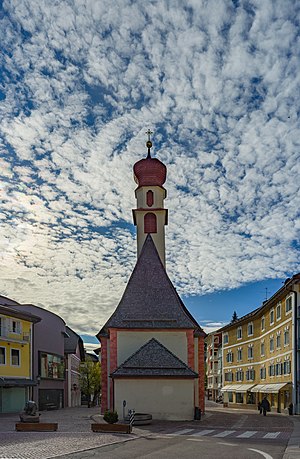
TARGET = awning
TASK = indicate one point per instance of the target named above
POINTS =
(258, 388)
(244, 388)
(269, 388)
(237, 388)
(274, 388)
(9, 382)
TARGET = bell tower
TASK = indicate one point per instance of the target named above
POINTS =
(150, 216)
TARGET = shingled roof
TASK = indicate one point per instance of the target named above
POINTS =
(150, 299)
(152, 360)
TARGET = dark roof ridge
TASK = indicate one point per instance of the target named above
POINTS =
(182, 366)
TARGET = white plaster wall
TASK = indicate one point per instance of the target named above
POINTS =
(130, 342)
(168, 399)
(158, 238)
(159, 195)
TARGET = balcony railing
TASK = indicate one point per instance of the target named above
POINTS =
(7, 335)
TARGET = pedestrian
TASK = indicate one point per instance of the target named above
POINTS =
(259, 407)
(265, 405)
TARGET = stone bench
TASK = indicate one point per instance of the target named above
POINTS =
(36, 426)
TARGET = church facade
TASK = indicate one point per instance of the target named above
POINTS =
(152, 349)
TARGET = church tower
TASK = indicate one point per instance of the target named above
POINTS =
(150, 216)
(152, 349)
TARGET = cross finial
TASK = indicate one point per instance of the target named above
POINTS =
(149, 143)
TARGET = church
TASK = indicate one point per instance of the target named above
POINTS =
(152, 349)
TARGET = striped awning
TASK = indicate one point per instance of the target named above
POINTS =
(237, 388)
(269, 388)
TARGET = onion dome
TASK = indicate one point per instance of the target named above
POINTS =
(149, 171)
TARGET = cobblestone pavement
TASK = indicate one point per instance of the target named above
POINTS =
(74, 434)
(74, 431)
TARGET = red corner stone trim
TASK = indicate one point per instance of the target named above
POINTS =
(104, 375)
(190, 349)
(201, 371)
(113, 361)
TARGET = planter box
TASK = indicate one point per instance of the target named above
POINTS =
(36, 426)
(112, 428)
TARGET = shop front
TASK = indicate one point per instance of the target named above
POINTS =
(279, 395)
(237, 395)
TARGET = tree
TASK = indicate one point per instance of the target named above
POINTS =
(234, 317)
(90, 380)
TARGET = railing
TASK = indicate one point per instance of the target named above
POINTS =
(8, 335)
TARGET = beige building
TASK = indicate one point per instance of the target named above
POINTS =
(214, 365)
(261, 353)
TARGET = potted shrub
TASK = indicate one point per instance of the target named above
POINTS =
(111, 417)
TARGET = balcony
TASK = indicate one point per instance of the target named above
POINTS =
(9, 336)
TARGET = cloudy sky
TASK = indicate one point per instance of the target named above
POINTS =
(80, 83)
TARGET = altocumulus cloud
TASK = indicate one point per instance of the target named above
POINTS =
(217, 81)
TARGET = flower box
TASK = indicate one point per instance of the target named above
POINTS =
(112, 428)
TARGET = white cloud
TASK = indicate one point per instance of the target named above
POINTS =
(219, 85)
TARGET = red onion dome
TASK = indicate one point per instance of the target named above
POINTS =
(149, 172)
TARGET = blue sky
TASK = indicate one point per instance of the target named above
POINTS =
(80, 83)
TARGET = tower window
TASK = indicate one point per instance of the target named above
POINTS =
(150, 225)
(150, 198)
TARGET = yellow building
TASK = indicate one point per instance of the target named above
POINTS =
(16, 331)
(213, 365)
(261, 353)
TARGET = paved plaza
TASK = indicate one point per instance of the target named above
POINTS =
(74, 431)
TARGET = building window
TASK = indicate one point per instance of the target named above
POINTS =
(278, 341)
(262, 349)
(230, 397)
(250, 374)
(278, 369)
(263, 323)
(239, 333)
(288, 304)
(229, 357)
(286, 337)
(150, 199)
(51, 366)
(15, 357)
(16, 326)
(287, 367)
(271, 344)
(240, 354)
(272, 370)
(239, 397)
(263, 373)
(250, 352)
(225, 338)
(250, 329)
(278, 311)
(150, 225)
(239, 375)
(229, 376)
(271, 316)
(2, 356)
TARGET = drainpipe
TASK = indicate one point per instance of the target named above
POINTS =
(295, 397)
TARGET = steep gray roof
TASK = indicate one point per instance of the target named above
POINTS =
(150, 299)
(152, 360)
(72, 341)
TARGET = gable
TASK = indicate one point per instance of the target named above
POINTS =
(154, 360)
(150, 299)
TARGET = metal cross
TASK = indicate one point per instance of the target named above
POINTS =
(149, 132)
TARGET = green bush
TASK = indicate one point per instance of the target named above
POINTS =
(110, 416)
